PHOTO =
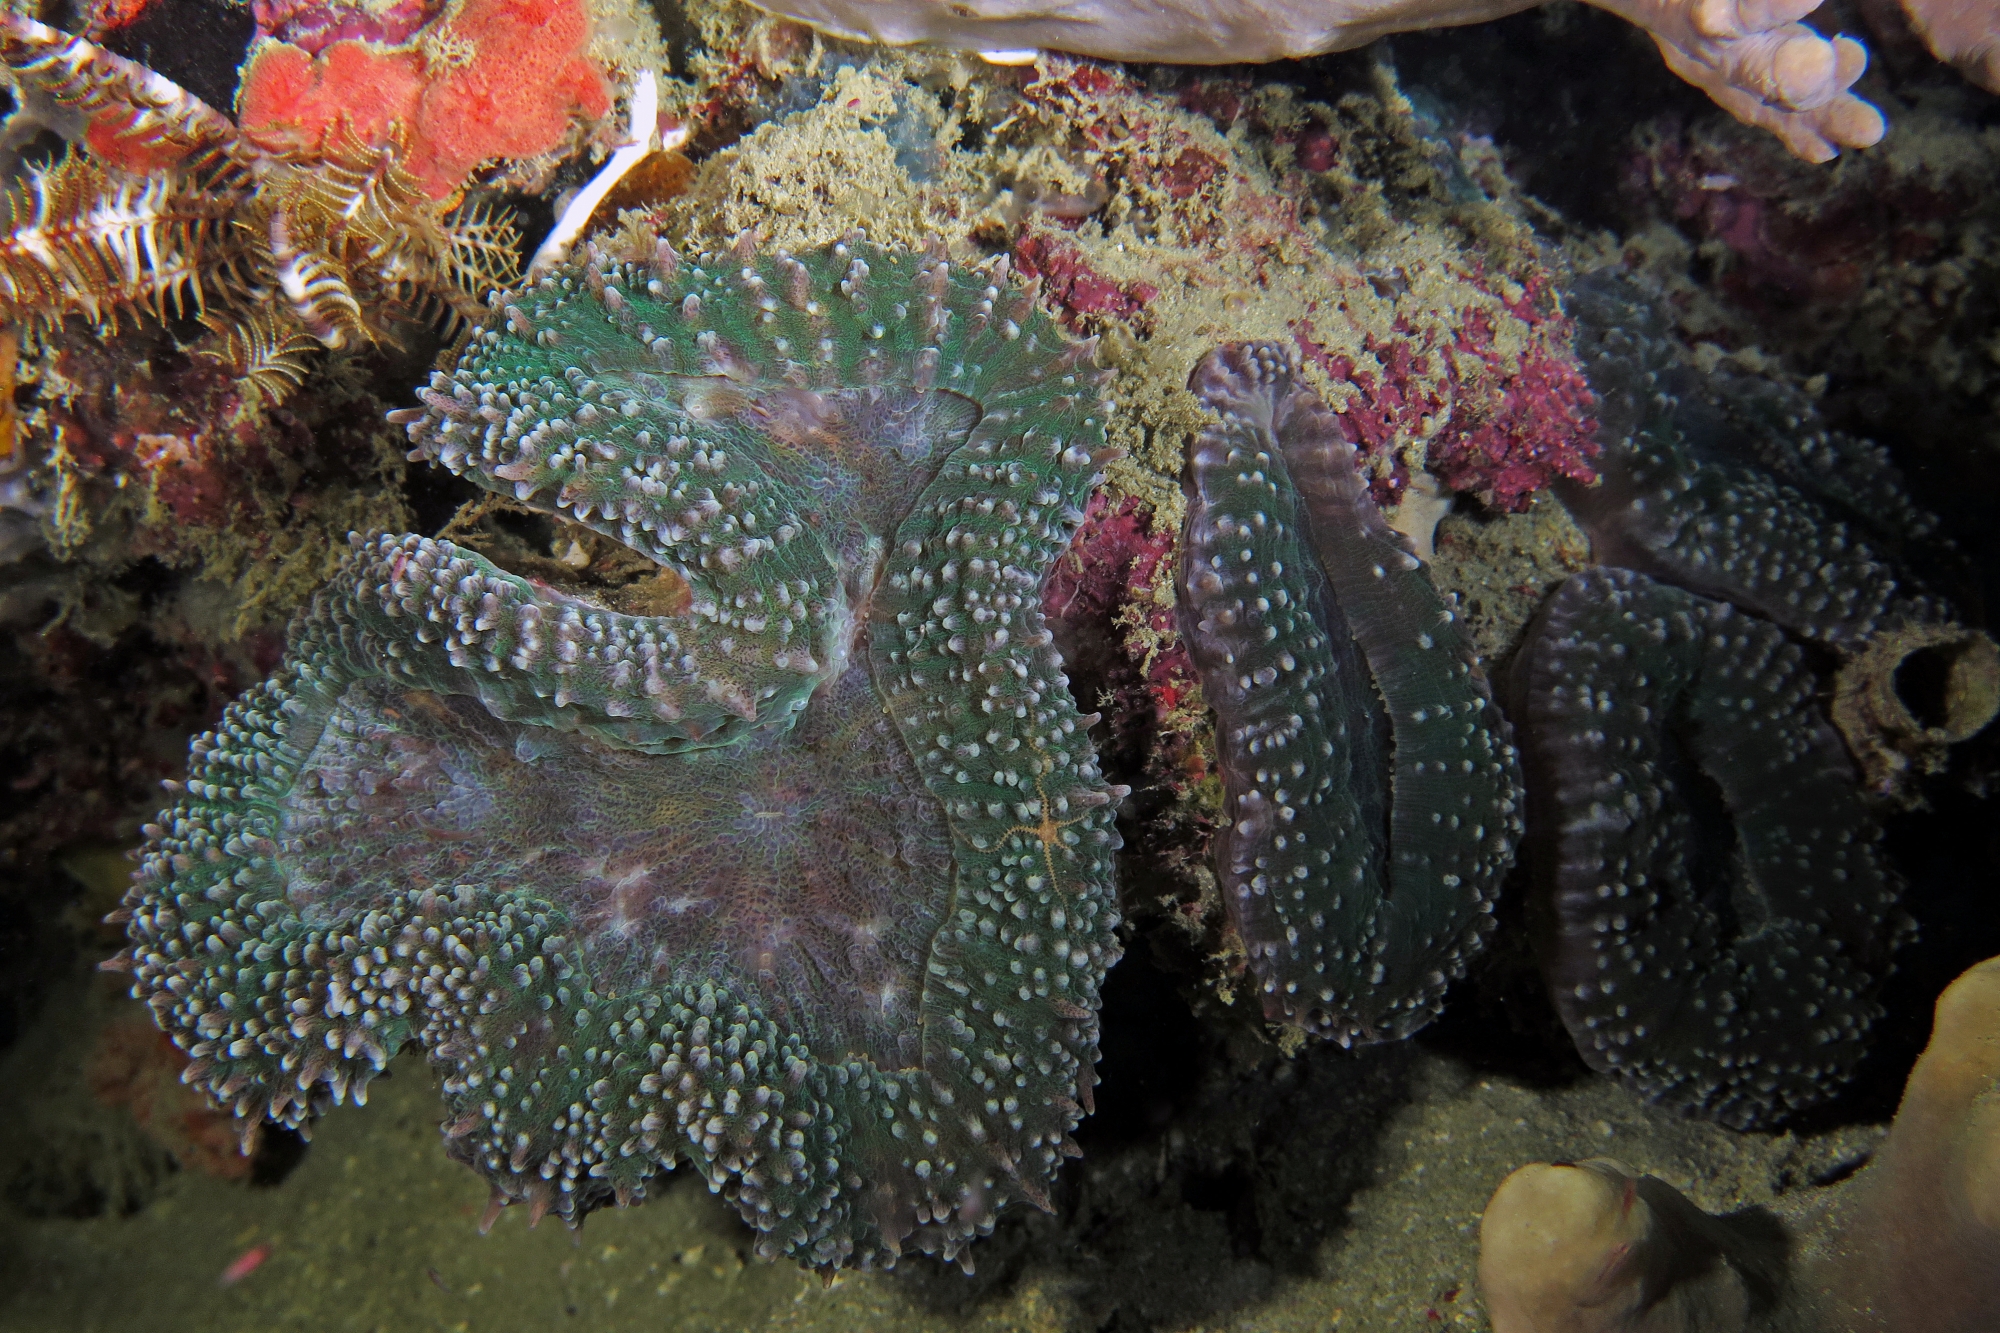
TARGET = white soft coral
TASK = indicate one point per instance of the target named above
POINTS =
(1765, 67)
(1753, 57)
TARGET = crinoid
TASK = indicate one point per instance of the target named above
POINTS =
(163, 209)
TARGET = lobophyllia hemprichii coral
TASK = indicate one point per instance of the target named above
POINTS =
(1717, 914)
(1188, 166)
(790, 860)
(1733, 489)
(1713, 908)
(1372, 794)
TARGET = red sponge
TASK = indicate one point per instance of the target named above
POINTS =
(491, 79)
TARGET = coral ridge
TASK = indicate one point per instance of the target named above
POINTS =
(1719, 914)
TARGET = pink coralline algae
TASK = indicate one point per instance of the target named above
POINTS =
(1073, 285)
(314, 25)
(1508, 430)
(1109, 600)
(1433, 359)
(180, 429)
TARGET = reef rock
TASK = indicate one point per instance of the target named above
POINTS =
(790, 860)
(1371, 790)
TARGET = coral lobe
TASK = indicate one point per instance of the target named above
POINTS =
(1720, 915)
(1373, 795)
(805, 881)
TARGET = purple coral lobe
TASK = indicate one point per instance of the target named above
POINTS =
(1371, 791)
(1716, 917)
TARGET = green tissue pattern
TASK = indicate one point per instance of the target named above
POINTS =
(807, 884)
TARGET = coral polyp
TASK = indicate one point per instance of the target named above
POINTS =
(1719, 916)
(1372, 797)
(796, 869)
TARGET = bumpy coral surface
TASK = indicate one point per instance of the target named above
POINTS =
(791, 861)
(1757, 61)
(1720, 916)
(1916, 1244)
(1964, 32)
(1365, 837)
(1739, 498)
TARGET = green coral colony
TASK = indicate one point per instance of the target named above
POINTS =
(806, 882)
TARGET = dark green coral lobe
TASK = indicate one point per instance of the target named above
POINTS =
(1719, 918)
(1372, 795)
(807, 883)
(1731, 488)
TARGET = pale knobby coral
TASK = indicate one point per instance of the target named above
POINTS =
(1965, 33)
(1756, 58)
(1911, 1242)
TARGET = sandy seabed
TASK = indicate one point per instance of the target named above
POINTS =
(1333, 1191)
